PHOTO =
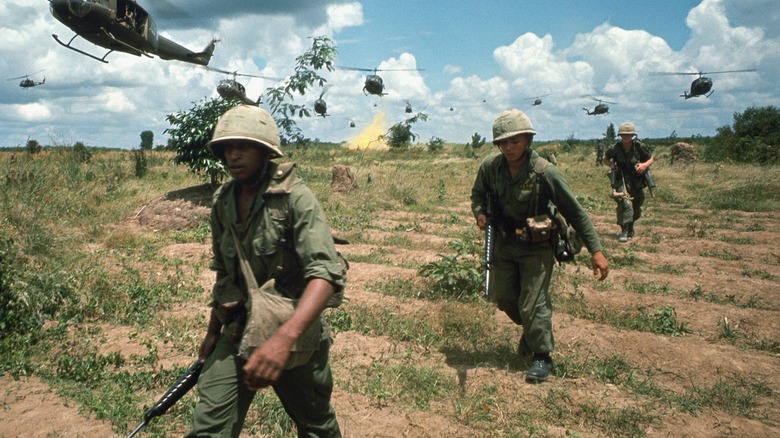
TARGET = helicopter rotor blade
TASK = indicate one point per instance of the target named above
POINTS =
(598, 100)
(25, 76)
(235, 73)
(537, 97)
(728, 71)
(699, 73)
(356, 68)
(379, 69)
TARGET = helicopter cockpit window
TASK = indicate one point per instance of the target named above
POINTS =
(80, 8)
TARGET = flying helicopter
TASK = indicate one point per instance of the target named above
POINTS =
(27, 82)
(231, 89)
(374, 84)
(538, 99)
(601, 108)
(320, 106)
(120, 25)
(702, 85)
(408, 108)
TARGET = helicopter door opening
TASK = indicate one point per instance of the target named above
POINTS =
(131, 16)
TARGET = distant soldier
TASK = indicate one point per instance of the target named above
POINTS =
(632, 159)
(599, 153)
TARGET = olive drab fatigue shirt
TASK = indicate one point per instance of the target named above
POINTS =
(625, 162)
(514, 195)
(286, 238)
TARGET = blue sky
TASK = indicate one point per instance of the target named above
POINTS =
(476, 59)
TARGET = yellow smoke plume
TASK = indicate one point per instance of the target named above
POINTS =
(371, 137)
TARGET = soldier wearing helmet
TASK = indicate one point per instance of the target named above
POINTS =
(267, 228)
(632, 160)
(527, 190)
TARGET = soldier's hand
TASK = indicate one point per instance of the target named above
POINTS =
(600, 265)
(481, 221)
(267, 362)
(208, 345)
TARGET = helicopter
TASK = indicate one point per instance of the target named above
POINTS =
(538, 99)
(408, 108)
(601, 108)
(320, 106)
(27, 82)
(121, 25)
(231, 89)
(702, 85)
(374, 83)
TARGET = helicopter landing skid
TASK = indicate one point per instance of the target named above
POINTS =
(68, 46)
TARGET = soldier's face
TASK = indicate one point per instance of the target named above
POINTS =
(626, 139)
(515, 147)
(245, 160)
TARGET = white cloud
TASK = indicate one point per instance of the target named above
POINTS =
(33, 112)
(345, 15)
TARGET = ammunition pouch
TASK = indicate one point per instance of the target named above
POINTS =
(539, 228)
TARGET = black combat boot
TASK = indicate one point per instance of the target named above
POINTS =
(623, 236)
(630, 230)
(541, 368)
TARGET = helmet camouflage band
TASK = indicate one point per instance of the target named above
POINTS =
(510, 123)
(627, 128)
(246, 122)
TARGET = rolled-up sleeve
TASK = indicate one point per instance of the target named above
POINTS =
(313, 239)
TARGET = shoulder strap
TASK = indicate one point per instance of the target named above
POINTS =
(540, 166)
(246, 270)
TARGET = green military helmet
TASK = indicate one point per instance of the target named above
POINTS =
(627, 128)
(510, 123)
(246, 122)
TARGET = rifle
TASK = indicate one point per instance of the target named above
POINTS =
(185, 382)
(612, 173)
(490, 237)
(650, 182)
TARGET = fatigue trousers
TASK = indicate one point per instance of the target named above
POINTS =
(520, 284)
(224, 401)
(629, 212)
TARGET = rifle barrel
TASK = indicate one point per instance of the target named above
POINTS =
(137, 428)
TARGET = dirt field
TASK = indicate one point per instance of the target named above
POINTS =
(719, 272)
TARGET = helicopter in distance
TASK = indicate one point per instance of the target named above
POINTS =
(374, 84)
(537, 99)
(701, 86)
(121, 25)
(601, 108)
(320, 106)
(26, 82)
(408, 109)
(231, 89)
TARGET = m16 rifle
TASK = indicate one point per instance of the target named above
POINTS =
(184, 383)
(490, 237)
(648, 175)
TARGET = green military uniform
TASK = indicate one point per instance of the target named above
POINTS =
(599, 153)
(286, 238)
(629, 212)
(522, 271)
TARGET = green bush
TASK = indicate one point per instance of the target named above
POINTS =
(458, 275)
